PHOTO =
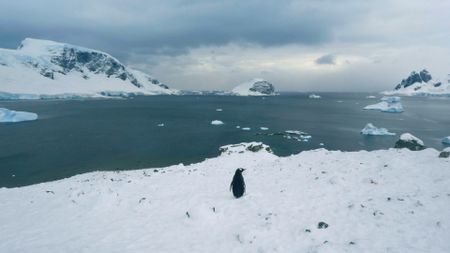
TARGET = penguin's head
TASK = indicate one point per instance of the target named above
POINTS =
(240, 170)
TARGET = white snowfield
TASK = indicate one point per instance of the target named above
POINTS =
(379, 201)
(387, 104)
(22, 74)
(7, 115)
(370, 129)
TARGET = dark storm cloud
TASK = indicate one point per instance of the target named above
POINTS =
(171, 27)
(328, 59)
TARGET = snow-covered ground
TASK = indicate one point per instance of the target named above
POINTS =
(387, 104)
(7, 115)
(379, 201)
(370, 129)
(41, 69)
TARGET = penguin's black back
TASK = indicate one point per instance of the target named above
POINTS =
(238, 184)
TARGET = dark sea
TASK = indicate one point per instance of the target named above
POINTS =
(76, 136)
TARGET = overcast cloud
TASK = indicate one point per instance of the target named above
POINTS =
(297, 45)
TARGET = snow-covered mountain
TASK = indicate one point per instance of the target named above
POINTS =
(420, 83)
(43, 68)
(255, 87)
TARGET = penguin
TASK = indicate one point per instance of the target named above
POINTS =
(238, 183)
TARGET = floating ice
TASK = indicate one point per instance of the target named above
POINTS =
(370, 129)
(264, 128)
(161, 124)
(387, 104)
(246, 128)
(219, 110)
(446, 140)
(16, 116)
(216, 122)
(314, 96)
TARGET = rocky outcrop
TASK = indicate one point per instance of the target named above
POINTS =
(255, 87)
(421, 77)
(410, 142)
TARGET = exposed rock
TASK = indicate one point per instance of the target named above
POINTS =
(255, 87)
(410, 142)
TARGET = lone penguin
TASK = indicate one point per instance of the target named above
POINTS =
(238, 183)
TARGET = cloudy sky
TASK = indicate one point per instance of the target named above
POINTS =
(304, 45)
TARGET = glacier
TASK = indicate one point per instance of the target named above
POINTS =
(7, 115)
(370, 129)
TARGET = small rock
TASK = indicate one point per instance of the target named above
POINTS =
(322, 225)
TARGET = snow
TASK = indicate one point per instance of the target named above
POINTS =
(7, 115)
(314, 96)
(243, 89)
(370, 129)
(387, 104)
(446, 140)
(217, 122)
(410, 138)
(380, 201)
(422, 89)
(21, 77)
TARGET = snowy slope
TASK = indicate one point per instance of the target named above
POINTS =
(420, 84)
(380, 201)
(42, 68)
(254, 87)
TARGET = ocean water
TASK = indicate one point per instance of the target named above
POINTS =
(76, 136)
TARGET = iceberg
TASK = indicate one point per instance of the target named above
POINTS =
(446, 140)
(16, 116)
(217, 122)
(370, 129)
(387, 104)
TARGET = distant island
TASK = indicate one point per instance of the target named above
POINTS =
(420, 84)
